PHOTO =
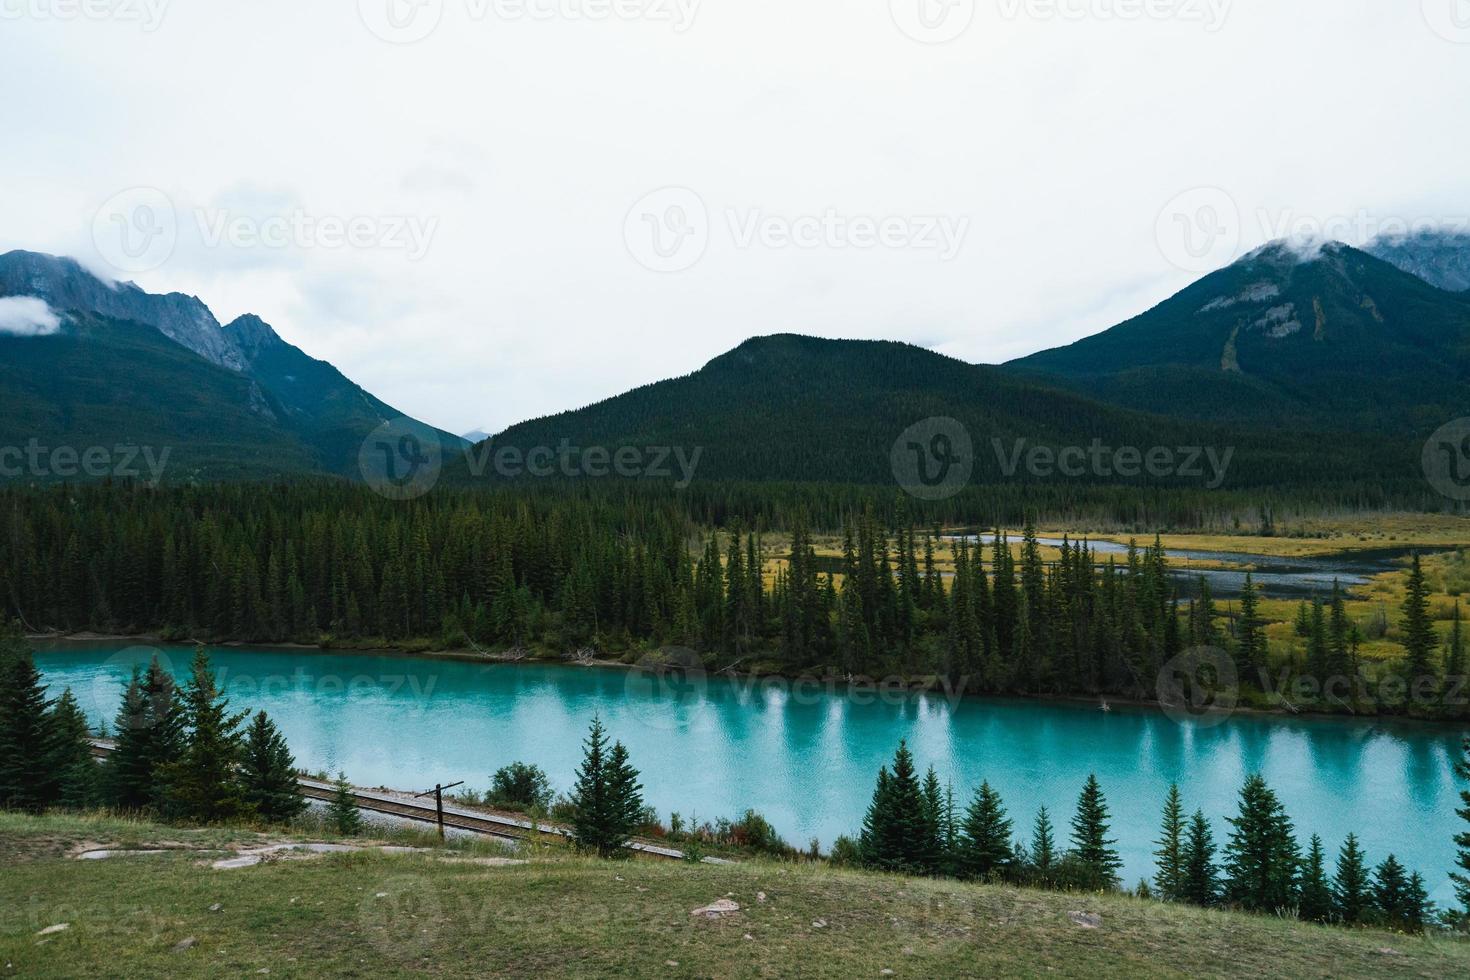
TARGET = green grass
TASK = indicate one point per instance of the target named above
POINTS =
(561, 915)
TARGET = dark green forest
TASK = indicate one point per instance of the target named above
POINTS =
(621, 573)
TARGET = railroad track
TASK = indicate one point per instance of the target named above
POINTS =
(486, 824)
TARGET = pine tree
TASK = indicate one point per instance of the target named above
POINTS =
(203, 784)
(149, 738)
(1043, 847)
(268, 773)
(895, 827)
(1169, 880)
(985, 839)
(1454, 660)
(1090, 844)
(342, 812)
(1315, 904)
(937, 856)
(1261, 856)
(606, 800)
(1417, 626)
(1390, 893)
(26, 780)
(1350, 894)
(70, 756)
(1418, 909)
(1200, 885)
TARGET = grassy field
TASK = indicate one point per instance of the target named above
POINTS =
(437, 912)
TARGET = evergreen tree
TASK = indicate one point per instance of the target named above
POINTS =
(1200, 885)
(1043, 847)
(268, 773)
(606, 800)
(985, 840)
(149, 738)
(895, 829)
(1390, 892)
(1350, 890)
(27, 781)
(1169, 879)
(1454, 658)
(342, 812)
(1418, 909)
(1252, 640)
(70, 756)
(1316, 891)
(1261, 856)
(203, 784)
(938, 857)
(1090, 844)
(1461, 878)
(1419, 638)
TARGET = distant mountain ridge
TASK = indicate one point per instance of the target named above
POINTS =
(1441, 258)
(190, 383)
(1328, 338)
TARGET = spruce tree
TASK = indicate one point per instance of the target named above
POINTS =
(203, 784)
(342, 812)
(894, 836)
(1418, 909)
(1454, 661)
(1315, 904)
(1419, 638)
(1261, 856)
(1390, 893)
(937, 856)
(985, 849)
(1200, 885)
(70, 756)
(27, 781)
(606, 801)
(1043, 847)
(1090, 844)
(1350, 888)
(268, 773)
(1169, 879)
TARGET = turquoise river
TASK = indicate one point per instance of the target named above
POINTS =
(806, 756)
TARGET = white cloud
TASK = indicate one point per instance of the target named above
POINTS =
(27, 316)
(1061, 139)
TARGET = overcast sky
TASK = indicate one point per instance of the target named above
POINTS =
(552, 201)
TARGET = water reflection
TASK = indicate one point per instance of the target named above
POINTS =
(806, 756)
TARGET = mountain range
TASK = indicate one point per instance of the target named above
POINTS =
(1298, 358)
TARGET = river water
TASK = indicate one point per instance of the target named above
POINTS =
(806, 757)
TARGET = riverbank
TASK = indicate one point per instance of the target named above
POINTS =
(391, 914)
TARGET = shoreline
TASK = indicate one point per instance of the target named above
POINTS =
(832, 682)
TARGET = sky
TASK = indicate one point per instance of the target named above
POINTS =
(485, 211)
